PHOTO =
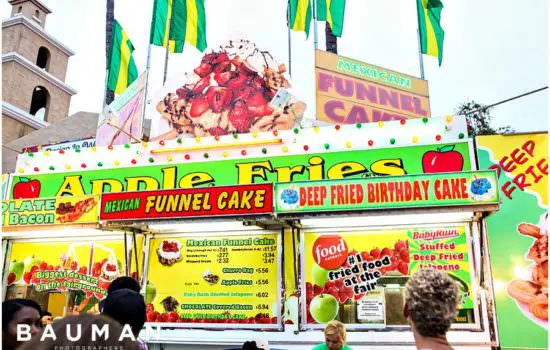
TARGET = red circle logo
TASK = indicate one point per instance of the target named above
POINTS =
(330, 252)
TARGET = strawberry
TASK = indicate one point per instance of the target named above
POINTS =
(104, 261)
(180, 320)
(375, 253)
(218, 98)
(317, 290)
(309, 288)
(198, 106)
(74, 265)
(201, 85)
(149, 308)
(359, 296)
(27, 277)
(339, 283)
(386, 251)
(34, 268)
(224, 66)
(82, 270)
(152, 316)
(403, 268)
(404, 253)
(256, 100)
(237, 81)
(223, 77)
(329, 284)
(289, 322)
(163, 317)
(262, 110)
(43, 265)
(11, 278)
(274, 319)
(217, 131)
(240, 117)
(400, 245)
(173, 316)
(365, 255)
(203, 70)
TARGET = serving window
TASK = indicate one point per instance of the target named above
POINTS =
(210, 280)
(358, 275)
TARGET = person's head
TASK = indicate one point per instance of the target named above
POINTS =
(431, 299)
(335, 335)
(127, 307)
(256, 345)
(88, 324)
(123, 282)
(15, 312)
(46, 318)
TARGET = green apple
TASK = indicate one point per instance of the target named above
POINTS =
(291, 309)
(17, 267)
(324, 308)
(320, 275)
(31, 261)
(150, 293)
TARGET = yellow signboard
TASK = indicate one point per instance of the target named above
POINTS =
(350, 91)
(50, 211)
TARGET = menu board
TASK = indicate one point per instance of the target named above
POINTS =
(214, 279)
(359, 276)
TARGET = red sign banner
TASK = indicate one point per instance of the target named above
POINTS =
(188, 202)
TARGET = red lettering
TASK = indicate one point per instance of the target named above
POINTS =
(519, 180)
(463, 188)
(446, 189)
(384, 193)
(323, 195)
(455, 183)
(542, 165)
(399, 192)
(520, 159)
(303, 196)
(531, 171)
(437, 184)
(333, 194)
(359, 193)
(370, 193)
(426, 187)
(408, 191)
(507, 189)
(497, 168)
(529, 147)
(340, 194)
(417, 195)
(406, 103)
(508, 167)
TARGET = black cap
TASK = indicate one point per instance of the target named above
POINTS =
(127, 307)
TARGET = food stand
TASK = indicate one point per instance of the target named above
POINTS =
(222, 254)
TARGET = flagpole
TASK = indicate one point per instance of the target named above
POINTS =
(167, 51)
(420, 58)
(315, 38)
(147, 68)
(289, 40)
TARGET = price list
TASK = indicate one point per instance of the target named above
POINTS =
(223, 279)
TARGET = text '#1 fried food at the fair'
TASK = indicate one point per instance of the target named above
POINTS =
(518, 237)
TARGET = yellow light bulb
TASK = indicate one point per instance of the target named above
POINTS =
(285, 149)
(380, 124)
(225, 154)
(415, 139)
(449, 118)
(198, 139)
(94, 149)
(117, 163)
(348, 144)
(67, 166)
(169, 158)
(21, 170)
(254, 134)
(144, 144)
(46, 153)
(315, 129)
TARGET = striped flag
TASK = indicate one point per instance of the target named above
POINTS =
(122, 68)
(300, 15)
(429, 25)
(332, 11)
(178, 21)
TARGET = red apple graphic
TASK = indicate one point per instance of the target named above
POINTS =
(26, 188)
(443, 160)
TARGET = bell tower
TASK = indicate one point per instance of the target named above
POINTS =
(34, 65)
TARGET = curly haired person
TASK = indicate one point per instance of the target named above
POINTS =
(335, 337)
(431, 299)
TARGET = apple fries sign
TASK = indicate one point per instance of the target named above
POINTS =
(429, 190)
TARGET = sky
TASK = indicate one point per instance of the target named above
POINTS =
(493, 49)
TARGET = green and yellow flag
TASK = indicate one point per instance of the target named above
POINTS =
(178, 21)
(332, 11)
(300, 15)
(429, 25)
(122, 68)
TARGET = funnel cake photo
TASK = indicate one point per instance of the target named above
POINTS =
(534, 293)
(230, 91)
